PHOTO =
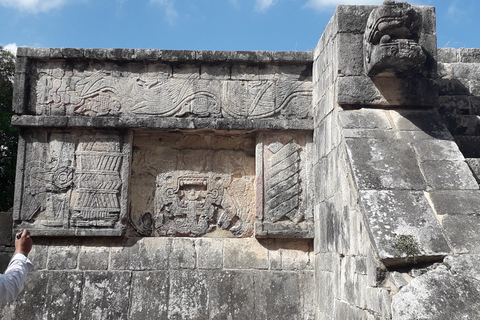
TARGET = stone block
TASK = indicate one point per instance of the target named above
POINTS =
(209, 253)
(465, 265)
(93, 258)
(182, 254)
(5, 258)
(455, 202)
(232, 296)
(244, 254)
(358, 90)
(463, 232)
(350, 62)
(150, 295)
(188, 296)
(105, 295)
(351, 19)
(269, 286)
(6, 228)
(364, 119)
(384, 164)
(469, 55)
(56, 294)
(474, 165)
(418, 120)
(141, 254)
(395, 216)
(39, 254)
(448, 175)
(437, 150)
(97, 54)
(437, 295)
(64, 257)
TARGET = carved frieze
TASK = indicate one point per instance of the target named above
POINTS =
(119, 91)
(286, 175)
(192, 184)
(73, 182)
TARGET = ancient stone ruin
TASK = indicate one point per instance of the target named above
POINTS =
(341, 183)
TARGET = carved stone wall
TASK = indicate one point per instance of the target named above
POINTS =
(74, 182)
(193, 184)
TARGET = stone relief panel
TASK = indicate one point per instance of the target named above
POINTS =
(285, 172)
(192, 184)
(136, 90)
(73, 183)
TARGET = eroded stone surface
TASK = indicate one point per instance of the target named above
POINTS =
(287, 185)
(448, 292)
(192, 184)
(74, 183)
(144, 89)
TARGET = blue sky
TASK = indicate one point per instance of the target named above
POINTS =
(276, 25)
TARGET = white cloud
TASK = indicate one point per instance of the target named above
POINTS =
(12, 47)
(32, 6)
(323, 4)
(263, 5)
(170, 13)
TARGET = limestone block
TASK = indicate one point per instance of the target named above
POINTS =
(463, 231)
(192, 184)
(438, 295)
(62, 257)
(93, 258)
(150, 293)
(39, 254)
(182, 254)
(268, 287)
(244, 254)
(384, 164)
(55, 294)
(285, 170)
(105, 295)
(231, 295)
(141, 254)
(6, 228)
(403, 226)
(466, 265)
(364, 119)
(209, 253)
(72, 182)
(448, 175)
(454, 202)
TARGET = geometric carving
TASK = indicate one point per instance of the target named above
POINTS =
(282, 187)
(391, 47)
(287, 199)
(72, 180)
(192, 204)
(98, 184)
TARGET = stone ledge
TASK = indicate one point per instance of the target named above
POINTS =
(161, 123)
(167, 55)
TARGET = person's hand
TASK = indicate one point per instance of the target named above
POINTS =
(23, 243)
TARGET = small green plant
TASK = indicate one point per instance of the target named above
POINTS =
(407, 245)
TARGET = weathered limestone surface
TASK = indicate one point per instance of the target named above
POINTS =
(190, 184)
(451, 291)
(169, 278)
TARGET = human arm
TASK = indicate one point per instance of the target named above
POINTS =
(11, 283)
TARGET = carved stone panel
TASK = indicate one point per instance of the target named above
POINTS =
(73, 182)
(145, 89)
(192, 184)
(285, 174)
